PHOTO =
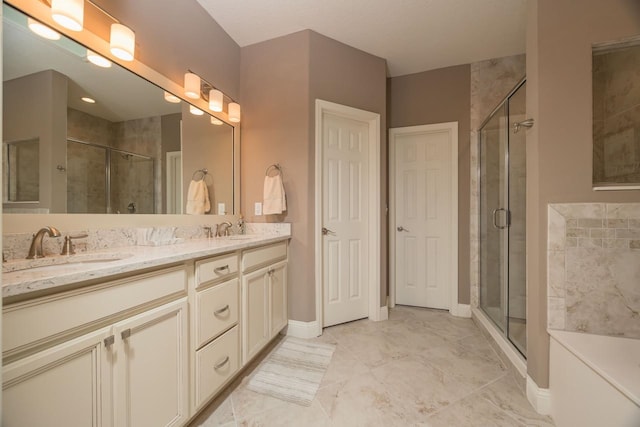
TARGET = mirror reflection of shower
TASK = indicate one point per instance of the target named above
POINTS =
(102, 179)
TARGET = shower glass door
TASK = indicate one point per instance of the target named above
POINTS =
(502, 219)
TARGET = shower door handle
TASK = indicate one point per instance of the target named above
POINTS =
(495, 218)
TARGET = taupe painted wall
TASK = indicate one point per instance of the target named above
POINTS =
(439, 96)
(173, 36)
(274, 86)
(560, 144)
(280, 80)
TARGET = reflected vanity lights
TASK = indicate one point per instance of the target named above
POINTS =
(98, 60)
(70, 15)
(195, 111)
(42, 30)
(169, 97)
(216, 121)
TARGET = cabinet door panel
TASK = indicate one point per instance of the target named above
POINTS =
(151, 368)
(278, 290)
(66, 385)
(255, 312)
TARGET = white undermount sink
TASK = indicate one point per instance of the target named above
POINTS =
(60, 263)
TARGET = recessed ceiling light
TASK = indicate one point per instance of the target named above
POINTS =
(98, 60)
(42, 30)
(88, 100)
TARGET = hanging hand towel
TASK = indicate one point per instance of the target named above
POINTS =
(275, 201)
(198, 198)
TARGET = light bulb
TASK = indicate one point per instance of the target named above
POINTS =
(122, 42)
(215, 100)
(68, 13)
(192, 86)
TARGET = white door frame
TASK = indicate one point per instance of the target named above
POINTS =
(373, 119)
(453, 128)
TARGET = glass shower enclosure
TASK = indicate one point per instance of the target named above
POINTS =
(502, 169)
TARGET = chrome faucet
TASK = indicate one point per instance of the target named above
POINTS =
(223, 229)
(35, 251)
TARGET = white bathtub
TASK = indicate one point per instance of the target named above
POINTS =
(594, 380)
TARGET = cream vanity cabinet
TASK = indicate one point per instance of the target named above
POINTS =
(264, 297)
(215, 332)
(113, 353)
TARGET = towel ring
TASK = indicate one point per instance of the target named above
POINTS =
(202, 173)
(276, 167)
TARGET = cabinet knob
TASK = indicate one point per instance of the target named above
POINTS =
(221, 363)
(221, 310)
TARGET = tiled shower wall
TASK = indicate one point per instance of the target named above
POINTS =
(593, 277)
(491, 81)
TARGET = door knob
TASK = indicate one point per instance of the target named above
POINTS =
(401, 228)
(326, 231)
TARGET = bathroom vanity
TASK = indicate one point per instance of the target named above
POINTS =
(147, 337)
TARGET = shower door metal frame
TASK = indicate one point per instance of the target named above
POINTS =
(504, 104)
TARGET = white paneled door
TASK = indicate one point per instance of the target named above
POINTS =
(345, 218)
(424, 220)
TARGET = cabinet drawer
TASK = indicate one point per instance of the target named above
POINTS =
(31, 323)
(259, 257)
(216, 310)
(216, 268)
(215, 364)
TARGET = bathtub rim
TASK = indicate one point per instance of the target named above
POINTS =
(593, 354)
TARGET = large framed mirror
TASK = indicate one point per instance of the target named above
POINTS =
(83, 138)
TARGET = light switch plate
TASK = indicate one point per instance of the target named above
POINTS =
(258, 209)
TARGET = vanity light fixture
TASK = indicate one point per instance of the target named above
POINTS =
(88, 100)
(216, 121)
(192, 85)
(234, 112)
(42, 30)
(195, 111)
(215, 100)
(98, 60)
(68, 13)
(169, 97)
(122, 42)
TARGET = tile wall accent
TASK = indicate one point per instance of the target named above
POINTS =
(491, 81)
(593, 268)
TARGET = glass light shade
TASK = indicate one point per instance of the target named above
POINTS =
(169, 97)
(68, 13)
(192, 85)
(216, 121)
(234, 112)
(42, 30)
(122, 42)
(215, 100)
(195, 111)
(98, 60)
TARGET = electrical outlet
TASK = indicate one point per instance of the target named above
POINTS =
(258, 209)
(221, 209)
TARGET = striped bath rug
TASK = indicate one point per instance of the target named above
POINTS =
(293, 371)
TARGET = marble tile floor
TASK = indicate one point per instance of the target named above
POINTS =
(419, 368)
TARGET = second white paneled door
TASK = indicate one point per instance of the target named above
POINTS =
(424, 218)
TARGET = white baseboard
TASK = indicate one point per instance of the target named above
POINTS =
(540, 398)
(298, 329)
(461, 310)
(384, 313)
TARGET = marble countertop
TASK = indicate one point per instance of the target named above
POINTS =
(55, 271)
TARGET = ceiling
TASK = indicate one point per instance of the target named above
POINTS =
(412, 35)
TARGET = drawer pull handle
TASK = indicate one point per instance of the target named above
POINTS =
(125, 334)
(109, 341)
(221, 364)
(221, 269)
(221, 310)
